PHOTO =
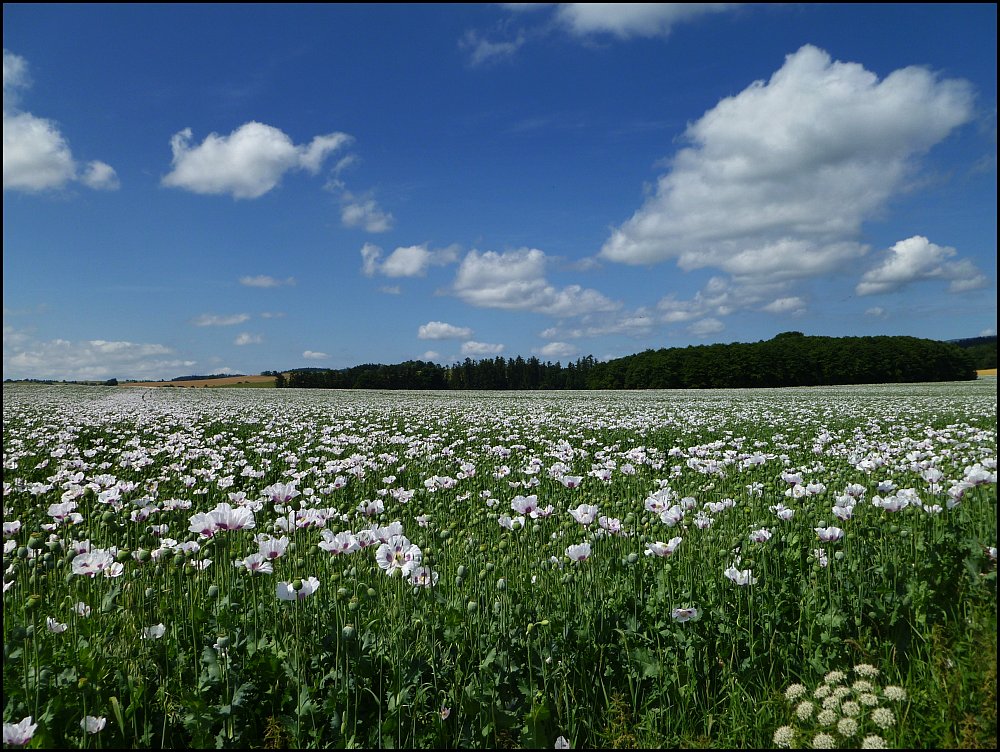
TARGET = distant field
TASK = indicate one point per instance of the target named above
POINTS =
(230, 381)
(987, 372)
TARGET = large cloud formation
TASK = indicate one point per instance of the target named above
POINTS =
(777, 180)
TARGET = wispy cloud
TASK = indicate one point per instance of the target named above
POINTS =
(263, 280)
(482, 51)
(625, 20)
(246, 338)
(211, 319)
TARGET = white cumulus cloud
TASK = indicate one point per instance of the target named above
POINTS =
(515, 280)
(792, 305)
(481, 349)
(36, 155)
(557, 350)
(366, 214)
(916, 259)
(405, 261)
(778, 179)
(247, 163)
(441, 330)
(314, 355)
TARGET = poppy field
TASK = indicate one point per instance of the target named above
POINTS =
(810, 567)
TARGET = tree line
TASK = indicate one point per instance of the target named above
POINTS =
(982, 349)
(789, 359)
(489, 373)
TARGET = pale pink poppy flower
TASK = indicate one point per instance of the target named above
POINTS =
(288, 592)
(281, 493)
(92, 563)
(672, 516)
(54, 626)
(423, 577)
(782, 512)
(525, 504)
(204, 524)
(829, 534)
(585, 513)
(93, 724)
(228, 517)
(663, 549)
(270, 547)
(255, 564)
(611, 524)
(339, 543)
(685, 614)
(398, 554)
(741, 577)
(510, 523)
(578, 552)
(760, 536)
(19, 733)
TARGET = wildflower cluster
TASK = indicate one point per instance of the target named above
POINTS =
(844, 711)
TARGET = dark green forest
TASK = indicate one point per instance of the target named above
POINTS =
(789, 359)
(982, 349)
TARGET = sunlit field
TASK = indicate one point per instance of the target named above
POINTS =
(306, 568)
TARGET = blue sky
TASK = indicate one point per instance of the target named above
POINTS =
(193, 189)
